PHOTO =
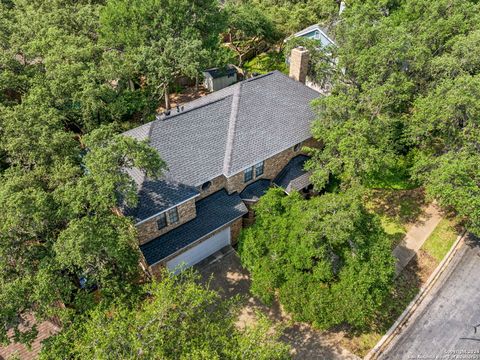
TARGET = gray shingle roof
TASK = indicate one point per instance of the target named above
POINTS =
(158, 195)
(255, 190)
(230, 129)
(213, 212)
(293, 176)
(220, 72)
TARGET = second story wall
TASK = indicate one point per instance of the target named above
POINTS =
(164, 222)
(212, 186)
(272, 166)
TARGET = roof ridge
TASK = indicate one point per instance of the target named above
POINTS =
(209, 99)
(143, 174)
(232, 122)
(193, 105)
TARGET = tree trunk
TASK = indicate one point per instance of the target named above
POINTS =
(167, 97)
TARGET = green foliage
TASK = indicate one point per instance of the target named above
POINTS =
(290, 16)
(267, 62)
(179, 319)
(397, 177)
(406, 87)
(327, 257)
(454, 180)
(157, 41)
(322, 60)
(249, 29)
(59, 223)
(52, 57)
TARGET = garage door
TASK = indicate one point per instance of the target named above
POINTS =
(201, 251)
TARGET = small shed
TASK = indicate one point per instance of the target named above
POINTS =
(218, 78)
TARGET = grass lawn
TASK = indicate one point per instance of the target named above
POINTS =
(397, 209)
(394, 228)
(396, 177)
(441, 240)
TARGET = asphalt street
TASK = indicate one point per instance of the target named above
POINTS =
(443, 327)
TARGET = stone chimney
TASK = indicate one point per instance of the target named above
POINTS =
(299, 64)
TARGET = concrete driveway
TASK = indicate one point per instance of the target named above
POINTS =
(443, 325)
(226, 275)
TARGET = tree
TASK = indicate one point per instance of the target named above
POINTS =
(158, 41)
(327, 258)
(178, 319)
(249, 29)
(53, 54)
(405, 95)
(322, 59)
(60, 222)
(290, 16)
(445, 131)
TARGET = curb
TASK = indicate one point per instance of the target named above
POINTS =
(396, 328)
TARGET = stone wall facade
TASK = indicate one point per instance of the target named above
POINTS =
(217, 183)
(148, 230)
(235, 229)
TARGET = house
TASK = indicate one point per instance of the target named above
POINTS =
(223, 151)
(316, 32)
(218, 78)
(320, 34)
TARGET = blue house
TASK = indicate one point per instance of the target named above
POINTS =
(316, 32)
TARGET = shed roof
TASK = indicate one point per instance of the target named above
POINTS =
(219, 72)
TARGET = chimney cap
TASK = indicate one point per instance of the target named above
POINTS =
(300, 49)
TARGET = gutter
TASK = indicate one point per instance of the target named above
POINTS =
(193, 244)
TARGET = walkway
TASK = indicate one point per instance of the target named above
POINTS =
(416, 236)
(446, 323)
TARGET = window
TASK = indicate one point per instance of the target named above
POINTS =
(206, 185)
(173, 216)
(248, 174)
(161, 221)
(259, 169)
(297, 147)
